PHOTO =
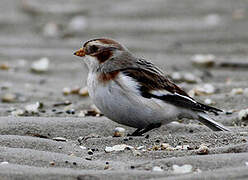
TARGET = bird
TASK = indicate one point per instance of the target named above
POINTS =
(132, 91)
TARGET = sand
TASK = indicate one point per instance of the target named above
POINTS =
(168, 33)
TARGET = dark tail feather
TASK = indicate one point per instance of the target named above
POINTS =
(210, 109)
(206, 120)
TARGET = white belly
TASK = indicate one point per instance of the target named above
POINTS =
(128, 107)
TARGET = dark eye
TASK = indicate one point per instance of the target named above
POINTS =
(93, 49)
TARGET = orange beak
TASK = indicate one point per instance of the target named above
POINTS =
(80, 52)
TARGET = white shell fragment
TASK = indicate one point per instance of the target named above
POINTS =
(119, 132)
(51, 29)
(4, 163)
(206, 89)
(119, 147)
(157, 169)
(237, 91)
(243, 114)
(208, 101)
(59, 139)
(203, 60)
(17, 112)
(33, 108)
(187, 168)
(83, 91)
(41, 65)
(203, 149)
(78, 24)
(9, 97)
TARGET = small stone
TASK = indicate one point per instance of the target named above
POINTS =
(206, 89)
(106, 167)
(9, 98)
(74, 163)
(203, 150)
(119, 132)
(201, 60)
(41, 65)
(90, 152)
(243, 114)
(70, 111)
(94, 108)
(187, 168)
(75, 90)
(140, 147)
(136, 153)
(246, 163)
(60, 147)
(83, 92)
(165, 146)
(66, 91)
(59, 139)
(83, 147)
(51, 29)
(246, 91)
(52, 163)
(208, 102)
(237, 91)
(157, 169)
(78, 24)
(88, 158)
(191, 78)
(17, 112)
(213, 19)
(176, 76)
(6, 85)
(119, 147)
(33, 108)
(4, 66)
(4, 163)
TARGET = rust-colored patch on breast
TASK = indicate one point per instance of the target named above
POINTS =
(106, 77)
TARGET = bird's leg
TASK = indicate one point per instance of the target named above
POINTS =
(140, 132)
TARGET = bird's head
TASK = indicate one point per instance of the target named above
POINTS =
(98, 51)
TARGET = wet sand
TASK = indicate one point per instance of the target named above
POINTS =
(168, 33)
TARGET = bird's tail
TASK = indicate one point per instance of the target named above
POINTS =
(206, 120)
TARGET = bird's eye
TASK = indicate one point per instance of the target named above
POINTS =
(93, 48)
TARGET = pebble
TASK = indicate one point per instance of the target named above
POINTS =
(33, 108)
(88, 158)
(186, 77)
(203, 149)
(187, 168)
(83, 92)
(191, 78)
(51, 29)
(203, 60)
(6, 85)
(78, 24)
(52, 163)
(136, 153)
(4, 163)
(209, 102)
(119, 132)
(9, 97)
(119, 147)
(17, 112)
(90, 152)
(41, 65)
(66, 91)
(243, 114)
(4, 66)
(212, 19)
(59, 139)
(237, 91)
(83, 147)
(206, 89)
(157, 169)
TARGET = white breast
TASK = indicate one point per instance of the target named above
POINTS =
(120, 101)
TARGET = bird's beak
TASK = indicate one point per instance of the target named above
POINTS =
(80, 52)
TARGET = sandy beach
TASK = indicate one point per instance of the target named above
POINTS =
(49, 128)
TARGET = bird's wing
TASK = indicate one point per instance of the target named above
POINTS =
(153, 84)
